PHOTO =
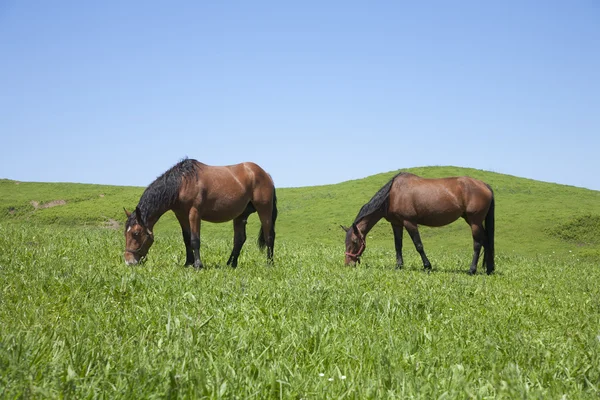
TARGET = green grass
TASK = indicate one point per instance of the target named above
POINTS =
(76, 322)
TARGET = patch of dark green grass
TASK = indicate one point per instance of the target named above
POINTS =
(581, 230)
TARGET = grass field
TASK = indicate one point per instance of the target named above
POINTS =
(76, 322)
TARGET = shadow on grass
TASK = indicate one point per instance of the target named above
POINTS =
(456, 271)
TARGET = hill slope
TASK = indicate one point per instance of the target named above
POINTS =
(531, 217)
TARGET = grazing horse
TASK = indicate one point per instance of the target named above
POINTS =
(407, 201)
(196, 192)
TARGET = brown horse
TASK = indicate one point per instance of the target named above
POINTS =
(407, 201)
(196, 192)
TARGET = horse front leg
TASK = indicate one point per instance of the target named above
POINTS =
(187, 237)
(194, 219)
(398, 232)
(413, 231)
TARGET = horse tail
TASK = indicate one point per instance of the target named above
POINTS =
(262, 241)
(489, 229)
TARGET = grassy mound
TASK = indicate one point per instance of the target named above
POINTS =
(582, 230)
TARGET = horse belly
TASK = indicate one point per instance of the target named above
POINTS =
(438, 219)
(223, 209)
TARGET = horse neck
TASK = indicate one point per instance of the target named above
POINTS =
(152, 218)
(368, 222)
(151, 212)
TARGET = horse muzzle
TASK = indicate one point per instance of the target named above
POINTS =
(351, 261)
(133, 258)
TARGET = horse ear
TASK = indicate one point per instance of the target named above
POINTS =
(126, 212)
(138, 216)
(355, 229)
(346, 229)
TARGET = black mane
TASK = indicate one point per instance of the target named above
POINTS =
(162, 194)
(377, 202)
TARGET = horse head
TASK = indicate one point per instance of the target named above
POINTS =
(138, 238)
(355, 244)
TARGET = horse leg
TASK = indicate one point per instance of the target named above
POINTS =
(479, 239)
(185, 231)
(239, 234)
(413, 231)
(194, 219)
(239, 238)
(264, 213)
(398, 232)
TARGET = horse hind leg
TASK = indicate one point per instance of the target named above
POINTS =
(239, 238)
(267, 233)
(479, 240)
(239, 234)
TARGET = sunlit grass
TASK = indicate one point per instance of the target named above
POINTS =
(76, 322)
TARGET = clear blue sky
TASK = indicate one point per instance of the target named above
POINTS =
(317, 92)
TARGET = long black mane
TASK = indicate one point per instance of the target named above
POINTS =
(162, 194)
(378, 202)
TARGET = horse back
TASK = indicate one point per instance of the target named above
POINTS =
(220, 193)
(439, 201)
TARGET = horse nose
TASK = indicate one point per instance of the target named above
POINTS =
(129, 260)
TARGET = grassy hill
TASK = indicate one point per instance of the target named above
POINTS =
(532, 217)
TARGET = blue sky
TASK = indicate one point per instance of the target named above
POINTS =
(115, 92)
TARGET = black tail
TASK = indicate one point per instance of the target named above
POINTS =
(262, 241)
(489, 229)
